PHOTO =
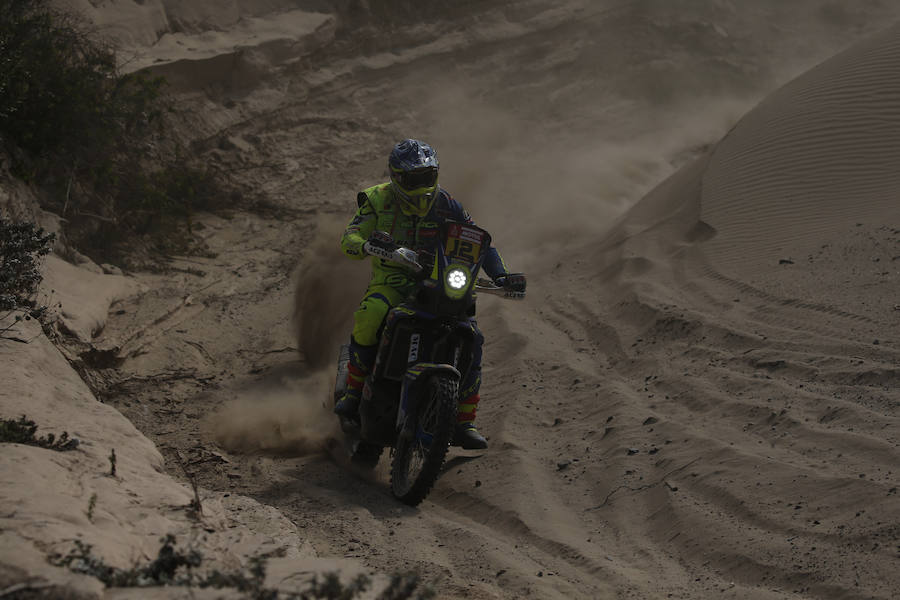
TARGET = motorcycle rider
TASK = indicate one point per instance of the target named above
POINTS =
(411, 207)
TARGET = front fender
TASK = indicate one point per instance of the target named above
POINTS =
(413, 379)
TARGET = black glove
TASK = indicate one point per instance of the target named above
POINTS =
(380, 245)
(513, 282)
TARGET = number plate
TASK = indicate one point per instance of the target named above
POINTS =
(463, 243)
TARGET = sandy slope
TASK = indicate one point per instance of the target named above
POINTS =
(692, 404)
(762, 394)
(111, 492)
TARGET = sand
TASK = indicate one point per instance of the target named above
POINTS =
(700, 396)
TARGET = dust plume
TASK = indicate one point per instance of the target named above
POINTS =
(329, 287)
(290, 419)
(554, 133)
(541, 193)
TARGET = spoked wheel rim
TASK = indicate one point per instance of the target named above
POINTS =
(418, 458)
(420, 445)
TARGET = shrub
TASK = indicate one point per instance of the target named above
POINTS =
(21, 247)
(92, 138)
(62, 99)
(166, 570)
(22, 431)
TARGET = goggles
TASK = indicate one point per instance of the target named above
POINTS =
(414, 180)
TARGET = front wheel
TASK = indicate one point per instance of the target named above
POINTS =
(417, 461)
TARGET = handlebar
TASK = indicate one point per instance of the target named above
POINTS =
(387, 250)
(382, 245)
(408, 258)
(486, 286)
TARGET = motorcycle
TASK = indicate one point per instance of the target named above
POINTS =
(409, 400)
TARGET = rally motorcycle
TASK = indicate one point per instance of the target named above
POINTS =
(409, 400)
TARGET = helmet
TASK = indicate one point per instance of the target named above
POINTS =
(414, 173)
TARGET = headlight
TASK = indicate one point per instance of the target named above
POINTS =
(457, 279)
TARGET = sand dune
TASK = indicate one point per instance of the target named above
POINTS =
(810, 162)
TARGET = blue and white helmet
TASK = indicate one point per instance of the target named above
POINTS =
(414, 174)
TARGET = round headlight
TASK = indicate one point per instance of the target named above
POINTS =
(456, 279)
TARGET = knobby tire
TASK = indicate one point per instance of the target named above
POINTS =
(436, 413)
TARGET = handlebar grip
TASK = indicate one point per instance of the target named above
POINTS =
(393, 253)
(407, 258)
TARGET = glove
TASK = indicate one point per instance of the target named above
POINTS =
(512, 282)
(381, 245)
(378, 246)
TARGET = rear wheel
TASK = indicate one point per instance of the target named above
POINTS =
(340, 379)
(417, 460)
(362, 454)
(366, 455)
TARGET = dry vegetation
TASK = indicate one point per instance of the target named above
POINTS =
(94, 141)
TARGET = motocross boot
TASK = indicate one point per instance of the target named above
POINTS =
(467, 436)
(348, 406)
(361, 360)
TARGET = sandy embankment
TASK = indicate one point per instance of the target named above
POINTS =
(50, 499)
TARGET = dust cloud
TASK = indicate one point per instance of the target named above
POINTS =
(548, 138)
(540, 195)
(293, 416)
(290, 419)
(329, 286)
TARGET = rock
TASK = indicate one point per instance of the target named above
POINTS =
(632, 451)
(111, 269)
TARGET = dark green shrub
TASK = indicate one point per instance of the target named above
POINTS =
(174, 567)
(175, 190)
(92, 138)
(23, 431)
(21, 246)
(62, 99)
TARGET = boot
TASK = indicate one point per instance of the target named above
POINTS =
(361, 360)
(467, 436)
(348, 406)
